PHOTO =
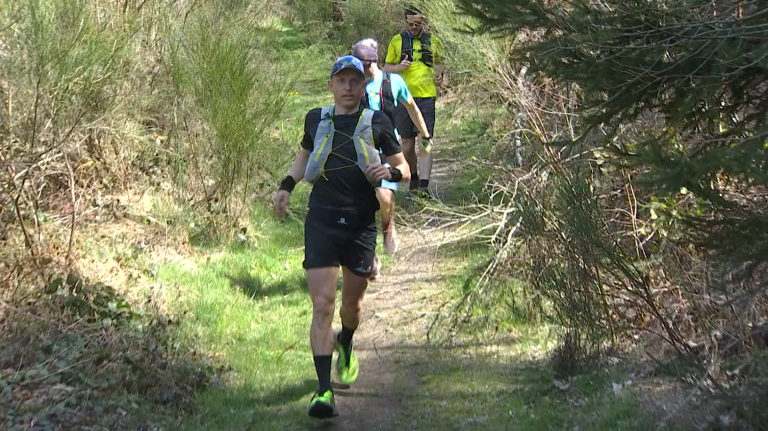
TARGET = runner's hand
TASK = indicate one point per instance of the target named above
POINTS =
(377, 172)
(405, 64)
(282, 199)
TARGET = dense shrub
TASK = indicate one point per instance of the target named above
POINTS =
(642, 197)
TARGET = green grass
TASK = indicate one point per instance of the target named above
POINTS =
(250, 306)
(505, 389)
(247, 305)
(498, 377)
(465, 135)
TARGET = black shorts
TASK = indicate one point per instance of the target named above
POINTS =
(335, 237)
(403, 122)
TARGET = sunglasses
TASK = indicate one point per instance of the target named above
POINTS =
(415, 19)
(368, 62)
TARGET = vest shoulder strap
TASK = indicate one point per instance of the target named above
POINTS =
(364, 127)
(387, 97)
(366, 118)
(386, 84)
(406, 38)
(426, 49)
(406, 46)
(326, 113)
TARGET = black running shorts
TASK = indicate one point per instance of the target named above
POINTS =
(403, 122)
(335, 237)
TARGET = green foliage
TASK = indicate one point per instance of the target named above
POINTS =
(95, 302)
(346, 22)
(230, 96)
(313, 14)
(472, 59)
(569, 276)
(76, 374)
(699, 72)
(66, 68)
(137, 92)
(669, 100)
(251, 306)
(506, 388)
(465, 55)
(379, 20)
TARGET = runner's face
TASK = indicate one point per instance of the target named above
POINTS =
(347, 88)
(368, 64)
(414, 25)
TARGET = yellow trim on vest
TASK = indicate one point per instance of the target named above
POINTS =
(361, 116)
(362, 143)
(320, 150)
(365, 150)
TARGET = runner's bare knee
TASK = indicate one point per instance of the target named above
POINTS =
(321, 283)
(323, 306)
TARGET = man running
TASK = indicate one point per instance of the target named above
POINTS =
(339, 155)
(413, 53)
(385, 92)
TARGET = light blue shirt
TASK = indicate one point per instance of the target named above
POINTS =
(399, 92)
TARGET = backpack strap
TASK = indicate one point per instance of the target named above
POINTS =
(426, 49)
(386, 84)
(323, 145)
(406, 46)
(363, 139)
(387, 98)
(364, 100)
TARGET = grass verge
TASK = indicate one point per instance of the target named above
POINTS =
(247, 304)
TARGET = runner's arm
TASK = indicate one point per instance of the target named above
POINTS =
(299, 164)
(441, 73)
(376, 172)
(398, 161)
(396, 68)
(415, 113)
(392, 63)
(283, 196)
(384, 136)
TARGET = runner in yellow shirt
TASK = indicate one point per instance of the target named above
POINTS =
(413, 54)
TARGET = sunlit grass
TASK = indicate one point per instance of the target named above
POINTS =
(247, 304)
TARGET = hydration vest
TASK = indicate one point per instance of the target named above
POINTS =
(386, 96)
(406, 49)
(362, 139)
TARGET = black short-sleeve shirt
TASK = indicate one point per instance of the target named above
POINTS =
(346, 186)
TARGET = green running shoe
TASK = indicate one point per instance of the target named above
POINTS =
(323, 405)
(347, 372)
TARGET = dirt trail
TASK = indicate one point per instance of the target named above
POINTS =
(396, 318)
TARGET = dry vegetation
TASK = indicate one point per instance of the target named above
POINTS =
(118, 151)
(123, 140)
(634, 211)
(626, 193)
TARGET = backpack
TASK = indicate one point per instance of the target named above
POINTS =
(406, 49)
(323, 144)
(387, 98)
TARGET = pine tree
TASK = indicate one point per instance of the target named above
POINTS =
(698, 69)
